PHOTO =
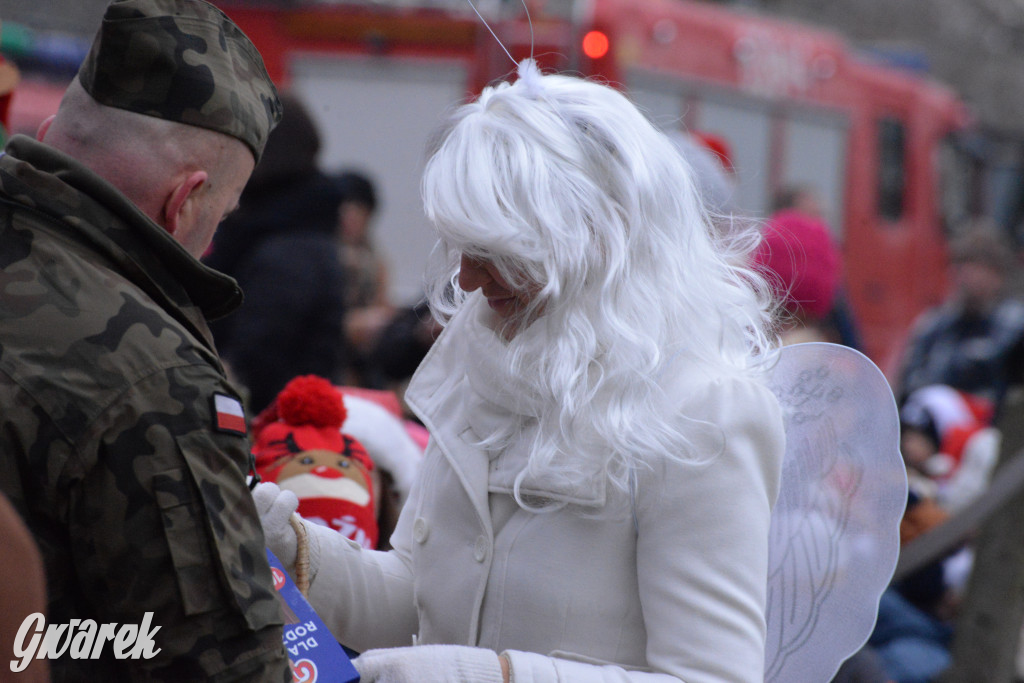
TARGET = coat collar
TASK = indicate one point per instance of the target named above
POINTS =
(461, 397)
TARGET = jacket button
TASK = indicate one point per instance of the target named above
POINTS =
(420, 530)
(480, 549)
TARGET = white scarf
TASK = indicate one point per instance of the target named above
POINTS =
(502, 411)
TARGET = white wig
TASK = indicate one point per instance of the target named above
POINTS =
(563, 184)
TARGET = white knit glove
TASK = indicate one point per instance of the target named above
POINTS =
(275, 508)
(429, 664)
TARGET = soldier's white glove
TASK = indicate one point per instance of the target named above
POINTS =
(429, 664)
(275, 508)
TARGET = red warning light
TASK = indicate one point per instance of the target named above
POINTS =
(595, 44)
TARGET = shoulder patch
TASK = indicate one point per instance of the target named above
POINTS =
(228, 415)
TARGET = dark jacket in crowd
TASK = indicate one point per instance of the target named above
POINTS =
(281, 248)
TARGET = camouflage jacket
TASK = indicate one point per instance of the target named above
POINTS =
(109, 444)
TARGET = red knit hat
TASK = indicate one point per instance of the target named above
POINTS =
(799, 258)
(299, 444)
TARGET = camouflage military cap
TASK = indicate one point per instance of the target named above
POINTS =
(184, 61)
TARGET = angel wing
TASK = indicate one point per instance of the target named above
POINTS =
(835, 527)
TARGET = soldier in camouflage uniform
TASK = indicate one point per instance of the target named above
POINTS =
(122, 444)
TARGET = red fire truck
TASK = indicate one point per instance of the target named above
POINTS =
(796, 105)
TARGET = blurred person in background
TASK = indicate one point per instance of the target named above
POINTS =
(280, 246)
(402, 345)
(950, 451)
(805, 200)
(974, 341)
(961, 357)
(368, 309)
(802, 198)
(709, 158)
(949, 443)
(800, 260)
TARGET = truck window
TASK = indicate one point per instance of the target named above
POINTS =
(892, 172)
(955, 186)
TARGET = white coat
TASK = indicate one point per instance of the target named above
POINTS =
(671, 589)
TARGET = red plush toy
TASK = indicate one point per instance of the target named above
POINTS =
(298, 444)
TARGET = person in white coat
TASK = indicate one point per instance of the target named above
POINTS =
(595, 499)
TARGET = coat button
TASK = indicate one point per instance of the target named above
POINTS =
(420, 530)
(480, 549)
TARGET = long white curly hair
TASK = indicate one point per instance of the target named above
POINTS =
(562, 182)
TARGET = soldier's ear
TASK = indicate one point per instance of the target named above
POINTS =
(44, 126)
(182, 205)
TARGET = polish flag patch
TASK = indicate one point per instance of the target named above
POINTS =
(228, 415)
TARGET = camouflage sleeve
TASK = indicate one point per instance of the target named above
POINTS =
(163, 522)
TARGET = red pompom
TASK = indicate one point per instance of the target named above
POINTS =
(311, 400)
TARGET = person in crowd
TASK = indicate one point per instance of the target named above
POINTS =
(840, 318)
(123, 443)
(797, 255)
(950, 449)
(605, 452)
(864, 666)
(802, 198)
(949, 444)
(710, 161)
(368, 306)
(914, 626)
(912, 644)
(402, 345)
(974, 341)
(280, 246)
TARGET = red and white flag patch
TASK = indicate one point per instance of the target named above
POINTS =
(228, 415)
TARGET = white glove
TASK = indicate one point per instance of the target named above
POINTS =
(429, 664)
(275, 508)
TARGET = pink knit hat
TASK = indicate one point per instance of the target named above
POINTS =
(801, 261)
